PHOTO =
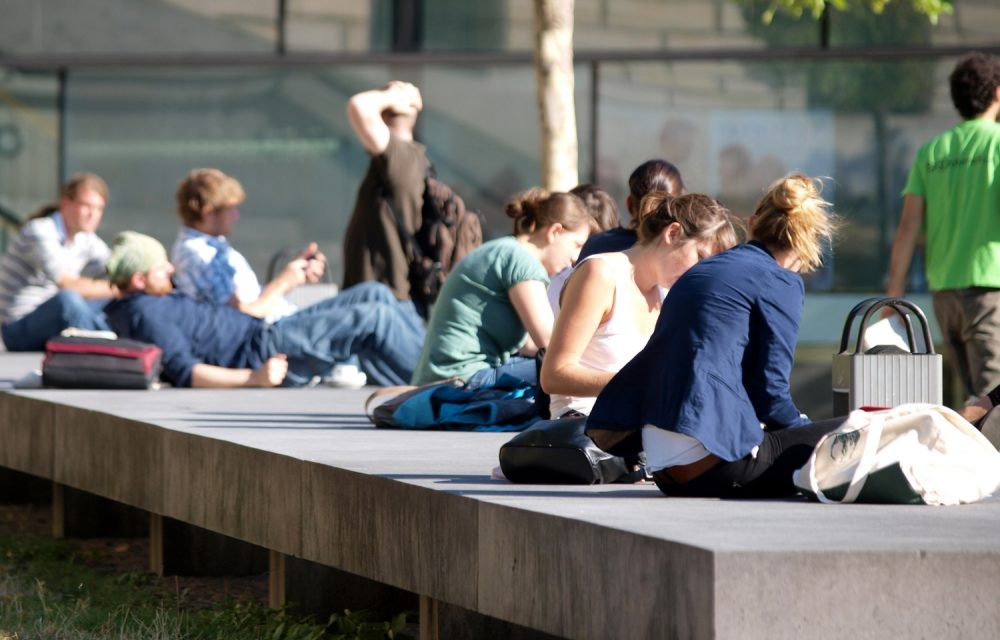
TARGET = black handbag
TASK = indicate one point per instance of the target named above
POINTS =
(559, 452)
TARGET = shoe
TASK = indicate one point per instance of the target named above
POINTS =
(347, 376)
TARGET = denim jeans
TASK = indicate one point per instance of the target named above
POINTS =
(365, 322)
(517, 366)
(65, 309)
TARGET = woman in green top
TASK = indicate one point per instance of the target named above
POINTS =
(493, 314)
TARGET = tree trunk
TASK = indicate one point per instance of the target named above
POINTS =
(554, 75)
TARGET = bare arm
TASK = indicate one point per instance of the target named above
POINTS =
(270, 374)
(911, 222)
(90, 288)
(587, 300)
(364, 112)
(532, 306)
(308, 267)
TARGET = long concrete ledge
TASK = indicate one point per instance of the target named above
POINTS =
(301, 472)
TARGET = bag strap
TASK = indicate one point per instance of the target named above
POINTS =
(873, 437)
(872, 440)
(384, 391)
(409, 241)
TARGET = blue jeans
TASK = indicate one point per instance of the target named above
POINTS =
(63, 310)
(517, 366)
(383, 334)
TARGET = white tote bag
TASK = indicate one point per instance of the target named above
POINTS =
(914, 453)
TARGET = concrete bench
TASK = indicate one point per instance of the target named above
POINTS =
(301, 472)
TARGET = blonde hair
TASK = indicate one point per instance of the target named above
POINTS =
(701, 218)
(538, 208)
(793, 216)
(203, 188)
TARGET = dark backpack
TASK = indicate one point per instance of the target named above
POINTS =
(448, 232)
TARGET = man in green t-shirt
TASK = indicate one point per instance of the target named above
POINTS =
(953, 196)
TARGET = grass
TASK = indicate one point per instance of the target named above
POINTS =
(49, 592)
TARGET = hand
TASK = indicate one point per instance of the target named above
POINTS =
(315, 263)
(294, 273)
(271, 373)
(406, 96)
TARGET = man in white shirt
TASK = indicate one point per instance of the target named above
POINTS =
(48, 275)
(209, 268)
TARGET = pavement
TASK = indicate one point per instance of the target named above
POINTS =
(589, 562)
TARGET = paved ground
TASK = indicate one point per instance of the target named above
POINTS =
(768, 558)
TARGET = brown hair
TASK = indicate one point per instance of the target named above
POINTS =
(537, 209)
(203, 188)
(701, 219)
(601, 205)
(652, 175)
(793, 216)
(72, 189)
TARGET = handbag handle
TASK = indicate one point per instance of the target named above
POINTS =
(873, 436)
(901, 306)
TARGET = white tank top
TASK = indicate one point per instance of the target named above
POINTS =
(615, 342)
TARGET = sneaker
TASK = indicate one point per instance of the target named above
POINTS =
(347, 376)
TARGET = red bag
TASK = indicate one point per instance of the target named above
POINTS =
(77, 362)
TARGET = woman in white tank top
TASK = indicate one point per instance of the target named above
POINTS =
(610, 304)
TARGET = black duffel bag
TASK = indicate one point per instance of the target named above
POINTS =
(559, 452)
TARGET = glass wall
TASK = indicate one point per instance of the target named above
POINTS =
(212, 26)
(29, 140)
(129, 26)
(285, 136)
(733, 128)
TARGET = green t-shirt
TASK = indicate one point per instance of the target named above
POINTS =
(474, 325)
(958, 175)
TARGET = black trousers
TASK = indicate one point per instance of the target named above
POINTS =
(768, 475)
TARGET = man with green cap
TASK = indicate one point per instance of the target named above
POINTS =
(213, 345)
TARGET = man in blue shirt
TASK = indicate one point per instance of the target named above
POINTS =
(206, 344)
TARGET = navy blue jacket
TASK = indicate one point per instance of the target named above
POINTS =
(718, 362)
(189, 332)
(610, 241)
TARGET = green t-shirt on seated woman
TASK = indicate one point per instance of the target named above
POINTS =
(474, 325)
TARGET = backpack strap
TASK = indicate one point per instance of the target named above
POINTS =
(391, 392)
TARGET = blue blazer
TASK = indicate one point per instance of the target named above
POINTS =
(718, 362)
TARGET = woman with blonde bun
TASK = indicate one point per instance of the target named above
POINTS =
(612, 300)
(716, 369)
(493, 313)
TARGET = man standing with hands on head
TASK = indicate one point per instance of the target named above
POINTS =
(384, 119)
(953, 195)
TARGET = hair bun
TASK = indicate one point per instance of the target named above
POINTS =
(525, 205)
(793, 193)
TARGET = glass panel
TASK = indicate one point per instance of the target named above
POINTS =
(285, 136)
(486, 144)
(126, 26)
(644, 25)
(462, 25)
(732, 128)
(29, 131)
(319, 25)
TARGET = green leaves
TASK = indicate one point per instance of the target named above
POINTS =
(797, 8)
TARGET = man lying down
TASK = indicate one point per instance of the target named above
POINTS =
(214, 345)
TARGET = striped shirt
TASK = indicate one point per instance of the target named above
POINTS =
(38, 256)
(207, 267)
